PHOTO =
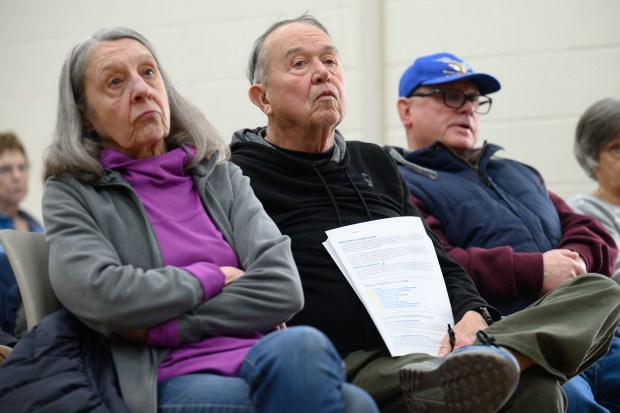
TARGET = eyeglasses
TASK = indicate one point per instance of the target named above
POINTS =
(455, 99)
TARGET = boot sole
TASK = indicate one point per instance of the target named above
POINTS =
(479, 383)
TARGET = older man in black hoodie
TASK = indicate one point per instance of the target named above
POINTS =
(310, 180)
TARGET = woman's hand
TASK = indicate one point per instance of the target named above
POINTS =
(231, 273)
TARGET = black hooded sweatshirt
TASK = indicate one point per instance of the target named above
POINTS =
(307, 196)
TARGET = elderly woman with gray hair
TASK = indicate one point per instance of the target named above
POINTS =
(159, 245)
(597, 149)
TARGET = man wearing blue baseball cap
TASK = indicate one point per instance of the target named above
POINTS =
(494, 216)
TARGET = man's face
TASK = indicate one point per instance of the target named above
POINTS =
(13, 178)
(428, 119)
(305, 81)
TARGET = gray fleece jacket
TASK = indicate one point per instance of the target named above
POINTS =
(106, 268)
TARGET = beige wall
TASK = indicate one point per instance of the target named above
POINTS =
(553, 57)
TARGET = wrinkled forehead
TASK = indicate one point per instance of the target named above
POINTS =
(109, 52)
(12, 156)
(295, 37)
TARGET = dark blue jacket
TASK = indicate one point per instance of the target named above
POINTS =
(466, 198)
(60, 366)
(505, 192)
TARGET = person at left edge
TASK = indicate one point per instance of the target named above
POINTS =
(158, 243)
(14, 168)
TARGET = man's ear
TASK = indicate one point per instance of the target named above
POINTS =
(404, 111)
(258, 96)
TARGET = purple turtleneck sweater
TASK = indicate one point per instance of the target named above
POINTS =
(188, 239)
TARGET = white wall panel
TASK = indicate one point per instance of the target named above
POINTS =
(553, 57)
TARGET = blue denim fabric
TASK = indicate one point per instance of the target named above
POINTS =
(597, 390)
(296, 370)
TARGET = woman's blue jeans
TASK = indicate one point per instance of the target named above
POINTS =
(597, 390)
(296, 370)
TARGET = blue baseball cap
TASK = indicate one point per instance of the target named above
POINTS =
(440, 68)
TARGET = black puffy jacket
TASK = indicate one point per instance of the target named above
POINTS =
(60, 366)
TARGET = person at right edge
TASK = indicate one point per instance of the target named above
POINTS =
(597, 149)
(310, 179)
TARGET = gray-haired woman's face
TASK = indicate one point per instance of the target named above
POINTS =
(126, 99)
(608, 169)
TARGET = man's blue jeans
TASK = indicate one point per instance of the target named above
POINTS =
(597, 390)
(295, 370)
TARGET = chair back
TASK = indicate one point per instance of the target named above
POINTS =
(28, 254)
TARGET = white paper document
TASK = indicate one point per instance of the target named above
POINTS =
(392, 266)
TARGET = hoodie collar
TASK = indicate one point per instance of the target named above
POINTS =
(257, 135)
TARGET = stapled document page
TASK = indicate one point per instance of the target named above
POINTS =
(392, 266)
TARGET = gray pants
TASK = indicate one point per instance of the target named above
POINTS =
(565, 332)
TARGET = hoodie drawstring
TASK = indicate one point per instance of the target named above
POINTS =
(331, 196)
(333, 200)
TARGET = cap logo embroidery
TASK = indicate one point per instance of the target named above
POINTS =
(456, 68)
